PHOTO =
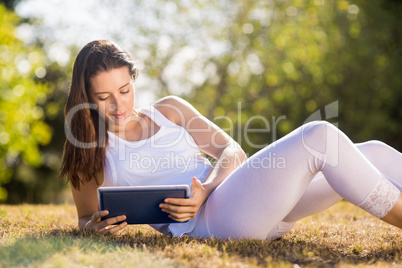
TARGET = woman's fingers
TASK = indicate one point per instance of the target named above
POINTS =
(180, 201)
(183, 209)
(180, 213)
(99, 225)
(118, 228)
(182, 216)
(96, 217)
(169, 208)
(113, 230)
(105, 227)
(106, 223)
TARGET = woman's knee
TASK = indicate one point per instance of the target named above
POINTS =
(321, 140)
(318, 131)
(318, 126)
(371, 145)
(372, 148)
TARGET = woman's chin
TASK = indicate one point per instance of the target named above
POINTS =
(117, 124)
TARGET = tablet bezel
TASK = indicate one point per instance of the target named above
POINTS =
(126, 199)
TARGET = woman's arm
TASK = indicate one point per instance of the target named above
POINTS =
(89, 218)
(211, 140)
(231, 157)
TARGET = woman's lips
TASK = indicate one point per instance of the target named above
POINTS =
(120, 116)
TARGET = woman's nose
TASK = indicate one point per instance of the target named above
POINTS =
(116, 106)
(111, 107)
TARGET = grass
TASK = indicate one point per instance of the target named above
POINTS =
(343, 236)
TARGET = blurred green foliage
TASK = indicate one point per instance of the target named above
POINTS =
(292, 58)
(22, 129)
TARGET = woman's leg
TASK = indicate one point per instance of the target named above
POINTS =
(319, 195)
(385, 158)
(260, 193)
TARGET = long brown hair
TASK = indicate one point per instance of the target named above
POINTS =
(87, 138)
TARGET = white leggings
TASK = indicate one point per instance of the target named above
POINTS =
(274, 188)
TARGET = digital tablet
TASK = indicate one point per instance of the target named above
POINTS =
(140, 204)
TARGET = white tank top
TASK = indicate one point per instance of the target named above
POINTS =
(169, 157)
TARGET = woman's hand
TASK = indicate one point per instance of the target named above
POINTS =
(104, 227)
(184, 209)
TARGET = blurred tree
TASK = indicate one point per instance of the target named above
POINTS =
(38, 184)
(292, 58)
(22, 126)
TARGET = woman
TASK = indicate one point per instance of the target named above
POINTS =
(112, 143)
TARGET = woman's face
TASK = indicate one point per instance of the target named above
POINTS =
(113, 93)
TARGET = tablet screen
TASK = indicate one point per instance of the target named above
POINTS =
(140, 204)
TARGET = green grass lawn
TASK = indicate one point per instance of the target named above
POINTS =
(343, 236)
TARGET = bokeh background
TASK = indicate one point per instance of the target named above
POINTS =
(279, 59)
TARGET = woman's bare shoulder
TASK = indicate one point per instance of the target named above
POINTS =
(173, 108)
(171, 101)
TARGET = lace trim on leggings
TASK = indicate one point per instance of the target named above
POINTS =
(382, 199)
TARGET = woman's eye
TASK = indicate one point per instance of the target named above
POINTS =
(125, 92)
(102, 99)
